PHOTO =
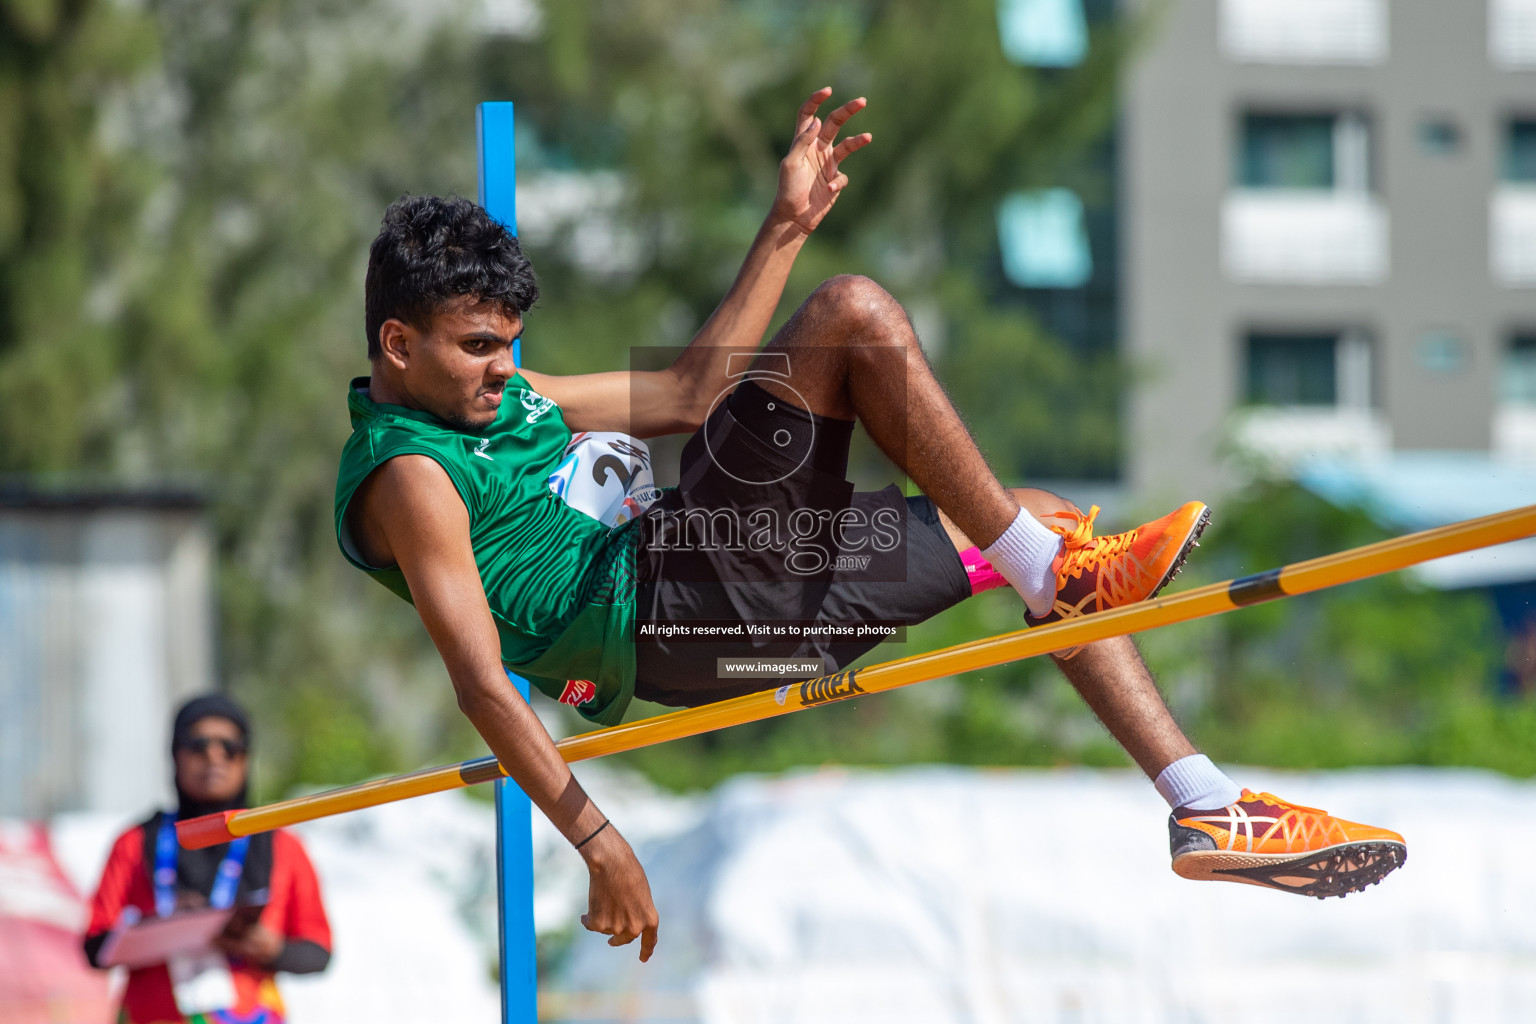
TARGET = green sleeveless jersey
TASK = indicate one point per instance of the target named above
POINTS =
(560, 584)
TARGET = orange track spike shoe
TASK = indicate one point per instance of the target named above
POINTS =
(1262, 840)
(1097, 573)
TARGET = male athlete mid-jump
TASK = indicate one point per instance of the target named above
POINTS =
(449, 493)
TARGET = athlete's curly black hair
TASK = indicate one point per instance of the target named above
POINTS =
(431, 252)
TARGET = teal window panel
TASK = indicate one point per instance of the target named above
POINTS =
(1520, 152)
(1287, 151)
(1043, 239)
(1292, 369)
(1517, 377)
(1043, 33)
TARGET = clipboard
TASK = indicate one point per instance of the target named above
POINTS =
(135, 942)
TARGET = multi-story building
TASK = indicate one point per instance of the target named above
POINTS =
(1328, 214)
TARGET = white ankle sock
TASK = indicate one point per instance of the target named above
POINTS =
(1194, 782)
(1023, 554)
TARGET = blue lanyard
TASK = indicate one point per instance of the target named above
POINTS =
(224, 883)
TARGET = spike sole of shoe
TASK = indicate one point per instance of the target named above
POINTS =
(1191, 542)
(1332, 871)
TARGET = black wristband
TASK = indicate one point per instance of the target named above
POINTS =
(593, 836)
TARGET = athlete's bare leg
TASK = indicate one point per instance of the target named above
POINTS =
(853, 354)
(1109, 675)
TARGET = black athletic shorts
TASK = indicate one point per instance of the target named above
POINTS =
(765, 551)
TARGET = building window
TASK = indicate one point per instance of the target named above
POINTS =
(1280, 151)
(1043, 33)
(1514, 416)
(1517, 377)
(1308, 394)
(1302, 211)
(1043, 239)
(1519, 165)
(1313, 368)
(1304, 31)
(1329, 151)
(1291, 369)
(1512, 209)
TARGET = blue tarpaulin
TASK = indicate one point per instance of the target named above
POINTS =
(1418, 490)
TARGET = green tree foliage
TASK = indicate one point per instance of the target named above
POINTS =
(70, 196)
(187, 190)
(1384, 671)
(694, 102)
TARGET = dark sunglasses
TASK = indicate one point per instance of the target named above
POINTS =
(200, 745)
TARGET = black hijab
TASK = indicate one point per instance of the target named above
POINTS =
(197, 869)
(212, 705)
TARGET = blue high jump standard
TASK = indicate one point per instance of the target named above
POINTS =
(514, 811)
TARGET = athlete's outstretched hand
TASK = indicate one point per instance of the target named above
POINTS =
(618, 895)
(810, 177)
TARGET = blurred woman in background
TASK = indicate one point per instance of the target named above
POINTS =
(280, 923)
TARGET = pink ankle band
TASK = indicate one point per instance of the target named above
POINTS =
(980, 572)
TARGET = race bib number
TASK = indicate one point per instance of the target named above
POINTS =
(605, 475)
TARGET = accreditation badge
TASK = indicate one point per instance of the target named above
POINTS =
(202, 982)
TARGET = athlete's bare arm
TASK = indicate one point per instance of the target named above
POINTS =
(676, 400)
(408, 513)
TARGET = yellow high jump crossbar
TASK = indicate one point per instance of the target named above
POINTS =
(1288, 581)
